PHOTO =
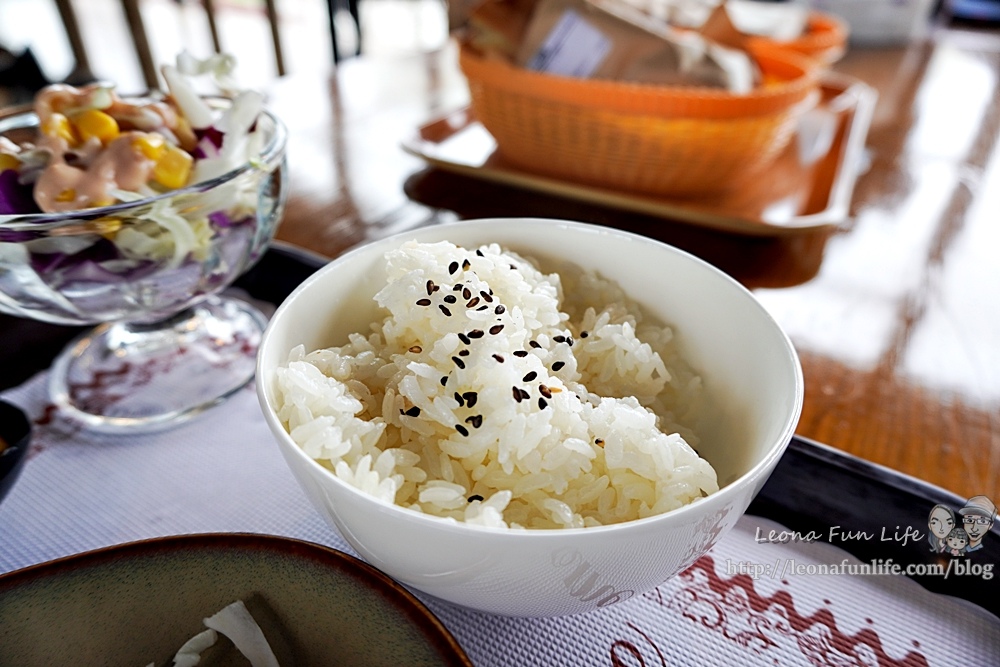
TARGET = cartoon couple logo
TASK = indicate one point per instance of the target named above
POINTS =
(977, 517)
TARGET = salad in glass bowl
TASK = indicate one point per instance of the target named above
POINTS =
(134, 213)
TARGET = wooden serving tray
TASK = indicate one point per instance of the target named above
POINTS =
(808, 188)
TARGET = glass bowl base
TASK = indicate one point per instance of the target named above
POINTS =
(127, 377)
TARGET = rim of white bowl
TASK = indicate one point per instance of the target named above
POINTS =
(774, 452)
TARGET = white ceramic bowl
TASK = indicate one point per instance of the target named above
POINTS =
(754, 392)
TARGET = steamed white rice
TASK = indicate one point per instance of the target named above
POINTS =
(494, 394)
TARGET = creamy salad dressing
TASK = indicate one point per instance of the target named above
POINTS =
(62, 187)
(63, 98)
(86, 174)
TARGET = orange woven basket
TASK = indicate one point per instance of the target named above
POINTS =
(662, 140)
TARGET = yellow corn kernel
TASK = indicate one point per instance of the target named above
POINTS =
(93, 123)
(8, 162)
(57, 125)
(173, 168)
(65, 196)
(103, 201)
(106, 227)
(151, 145)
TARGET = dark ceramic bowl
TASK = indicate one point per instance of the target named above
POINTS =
(15, 439)
(137, 603)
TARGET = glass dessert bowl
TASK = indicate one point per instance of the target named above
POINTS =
(148, 272)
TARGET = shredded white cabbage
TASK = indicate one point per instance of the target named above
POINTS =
(236, 623)
(189, 654)
(219, 65)
(235, 123)
(197, 112)
(171, 236)
(177, 236)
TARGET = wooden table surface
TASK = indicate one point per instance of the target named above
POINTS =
(894, 314)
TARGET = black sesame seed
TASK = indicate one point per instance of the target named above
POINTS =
(524, 394)
(475, 420)
(479, 252)
(498, 358)
(444, 380)
(461, 429)
(499, 309)
(413, 412)
(459, 399)
(470, 398)
(520, 353)
(559, 339)
(450, 299)
(542, 403)
(486, 296)
(544, 391)
(453, 267)
(496, 329)
(584, 334)
(463, 353)
(435, 288)
(569, 341)
(476, 333)
(517, 394)
(457, 287)
(424, 302)
(534, 344)
(465, 339)
(512, 267)
(559, 364)
(473, 302)
(475, 496)
(431, 287)
(531, 375)
(599, 442)
(466, 265)
(458, 362)
(482, 307)
(444, 310)
(466, 293)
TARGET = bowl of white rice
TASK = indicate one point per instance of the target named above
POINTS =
(528, 417)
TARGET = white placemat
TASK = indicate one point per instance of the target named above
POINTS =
(223, 473)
